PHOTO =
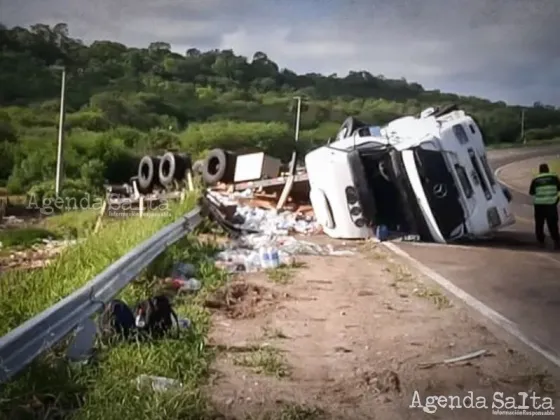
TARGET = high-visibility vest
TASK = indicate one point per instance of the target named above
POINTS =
(546, 189)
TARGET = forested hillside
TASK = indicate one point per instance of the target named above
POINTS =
(124, 102)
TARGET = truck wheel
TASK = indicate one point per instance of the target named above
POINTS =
(148, 170)
(173, 166)
(219, 166)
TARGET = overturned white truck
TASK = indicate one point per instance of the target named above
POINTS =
(426, 175)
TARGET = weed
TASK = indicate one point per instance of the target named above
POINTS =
(292, 411)
(433, 295)
(266, 360)
(105, 388)
(402, 277)
(25, 237)
(25, 294)
(284, 273)
(71, 224)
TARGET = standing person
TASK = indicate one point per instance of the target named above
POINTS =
(544, 189)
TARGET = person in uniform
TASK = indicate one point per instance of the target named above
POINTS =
(544, 189)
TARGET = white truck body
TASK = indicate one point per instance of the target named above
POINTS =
(425, 175)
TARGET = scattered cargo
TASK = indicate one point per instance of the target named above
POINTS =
(424, 176)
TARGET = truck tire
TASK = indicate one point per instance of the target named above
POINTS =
(219, 166)
(148, 170)
(198, 166)
(173, 166)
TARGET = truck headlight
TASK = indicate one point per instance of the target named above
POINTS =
(351, 195)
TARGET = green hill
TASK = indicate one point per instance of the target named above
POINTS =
(124, 102)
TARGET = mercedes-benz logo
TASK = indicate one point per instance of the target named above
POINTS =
(440, 190)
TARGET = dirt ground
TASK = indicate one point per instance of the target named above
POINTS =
(348, 338)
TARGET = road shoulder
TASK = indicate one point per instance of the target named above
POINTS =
(346, 337)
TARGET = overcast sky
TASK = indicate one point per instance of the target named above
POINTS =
(499, 49)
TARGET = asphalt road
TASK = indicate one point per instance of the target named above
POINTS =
(507, 273)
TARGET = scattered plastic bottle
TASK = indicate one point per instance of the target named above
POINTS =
(157, 383)
(265, 258)
(191, 285)
(274, 257)
(252, 262)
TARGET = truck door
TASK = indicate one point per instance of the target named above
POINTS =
(440, 189)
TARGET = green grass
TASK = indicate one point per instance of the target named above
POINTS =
(291, 411)
(284, 273)
(71, 224)
(25, 294)
(106, 389)
(25, 237)
(266, 360)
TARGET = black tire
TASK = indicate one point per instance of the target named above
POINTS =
(198, 166)
(173, 167)
(219, 166)
(148, 170)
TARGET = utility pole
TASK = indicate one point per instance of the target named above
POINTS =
(523, 125)
(59, 155)
(296, 136)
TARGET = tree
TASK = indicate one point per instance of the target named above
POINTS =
(123, 102)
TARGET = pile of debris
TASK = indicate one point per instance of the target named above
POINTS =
(38, 256)
(260, 232)
(252, 211)
(10, 221)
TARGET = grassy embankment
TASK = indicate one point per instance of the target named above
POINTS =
(104, 389)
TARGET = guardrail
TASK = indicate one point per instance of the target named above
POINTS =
(22, 345)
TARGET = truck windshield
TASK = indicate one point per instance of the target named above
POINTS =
(440, 189)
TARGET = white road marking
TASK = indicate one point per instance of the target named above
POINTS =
(497, 318)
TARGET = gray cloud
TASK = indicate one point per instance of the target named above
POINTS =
(501, 49)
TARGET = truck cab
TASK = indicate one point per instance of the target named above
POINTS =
(426, 175)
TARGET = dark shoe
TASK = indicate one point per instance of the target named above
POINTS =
(542, 245)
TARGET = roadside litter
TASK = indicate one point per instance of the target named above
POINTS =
(270, 245)
(37, 256)
(182, 278)
(250, 216)
(157, 383)
(150, 318)
(260, 252)
(459, 359)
